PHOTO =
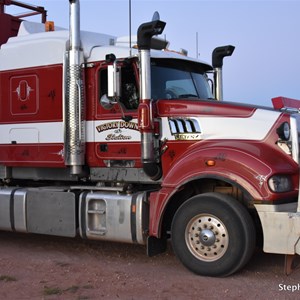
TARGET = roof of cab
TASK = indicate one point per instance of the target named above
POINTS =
(32, 42)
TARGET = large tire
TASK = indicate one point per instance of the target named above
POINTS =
(213, 234)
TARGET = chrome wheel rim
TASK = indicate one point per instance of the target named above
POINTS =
(207, 237)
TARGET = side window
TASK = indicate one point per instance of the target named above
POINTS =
(103, 82)
(129, 91)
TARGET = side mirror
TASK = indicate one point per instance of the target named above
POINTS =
(114, 81)
(107, 103)
(212, 86)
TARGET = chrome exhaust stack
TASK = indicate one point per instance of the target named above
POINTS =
(145, 113)
(217, 61)
(74, 96)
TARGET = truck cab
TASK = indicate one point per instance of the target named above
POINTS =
(134, 143)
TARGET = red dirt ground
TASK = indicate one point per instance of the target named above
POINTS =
(40, 267)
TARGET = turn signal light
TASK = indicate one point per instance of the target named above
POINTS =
(210, 163)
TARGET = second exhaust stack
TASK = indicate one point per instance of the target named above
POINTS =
(74, 96)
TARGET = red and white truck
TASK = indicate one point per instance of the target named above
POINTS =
(130, 144)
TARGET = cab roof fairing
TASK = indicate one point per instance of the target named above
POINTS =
(98, 53)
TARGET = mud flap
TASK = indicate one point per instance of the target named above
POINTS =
(290, 263)
(155, 246)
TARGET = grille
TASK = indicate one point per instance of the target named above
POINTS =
(184, 125)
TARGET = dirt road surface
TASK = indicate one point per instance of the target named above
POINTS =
(40, 267)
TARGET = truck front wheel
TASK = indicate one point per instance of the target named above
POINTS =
(213, 234)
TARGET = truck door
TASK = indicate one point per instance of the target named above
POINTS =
(116, 135)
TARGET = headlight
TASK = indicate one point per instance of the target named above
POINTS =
(280, 183)
(284, 131)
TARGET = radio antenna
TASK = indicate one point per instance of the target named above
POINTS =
(130, 52)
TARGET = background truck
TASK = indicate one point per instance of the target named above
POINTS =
(132, 145)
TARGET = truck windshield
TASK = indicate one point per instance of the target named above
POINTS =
(175, 79)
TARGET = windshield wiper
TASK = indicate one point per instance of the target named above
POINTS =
(188, 96)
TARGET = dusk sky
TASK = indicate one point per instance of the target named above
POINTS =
(266, 34)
